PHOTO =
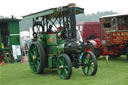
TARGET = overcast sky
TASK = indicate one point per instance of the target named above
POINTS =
(20, 8)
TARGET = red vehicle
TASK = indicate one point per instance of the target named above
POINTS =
(89, 30)
(113, 38)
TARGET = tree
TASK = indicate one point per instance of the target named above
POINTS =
(93, 16)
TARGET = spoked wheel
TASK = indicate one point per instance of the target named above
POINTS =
(37, 58)
(89, 63)
(64, 66)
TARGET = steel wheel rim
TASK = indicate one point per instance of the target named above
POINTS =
(34, 58)
(87, 64)
(62, 67)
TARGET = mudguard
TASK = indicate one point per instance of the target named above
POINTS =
(95, 42)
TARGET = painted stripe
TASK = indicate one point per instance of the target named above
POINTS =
(14, 34)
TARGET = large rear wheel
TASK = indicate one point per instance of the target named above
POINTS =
(89, 63)
(37, 58)
(64, 66)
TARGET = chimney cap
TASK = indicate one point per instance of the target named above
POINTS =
(71, 5)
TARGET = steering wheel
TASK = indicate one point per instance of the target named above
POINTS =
(37, 29)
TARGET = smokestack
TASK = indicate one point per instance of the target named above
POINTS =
(12, 16)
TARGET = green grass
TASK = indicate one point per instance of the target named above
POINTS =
(114, 74)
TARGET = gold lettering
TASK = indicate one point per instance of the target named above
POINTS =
(114, 34)
(122, 34)
(126, 33)
(118, 34)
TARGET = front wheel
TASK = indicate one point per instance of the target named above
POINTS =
(64, 66)
(89, 63)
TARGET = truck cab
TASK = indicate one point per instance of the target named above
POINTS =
(89, 30)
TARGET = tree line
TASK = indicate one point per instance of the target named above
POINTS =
(93, 16)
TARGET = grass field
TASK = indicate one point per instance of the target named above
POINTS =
(114, 74)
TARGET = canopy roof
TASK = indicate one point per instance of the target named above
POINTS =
(115, 15)
(8, 19)
(52, 11)
(88, 23)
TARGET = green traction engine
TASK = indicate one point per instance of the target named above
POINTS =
(57, 43)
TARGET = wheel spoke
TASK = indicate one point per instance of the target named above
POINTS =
(63, 61)
(85, 69)
(34, 48)
(60, 62)
(37, 64)
(65, 72)
(37, 58)
(59, 71)
(91, 61)
(66, 67)
(33, 68)
(30, 58)
(33, 52)
(30, 54)
(88, 70)
(31, 63)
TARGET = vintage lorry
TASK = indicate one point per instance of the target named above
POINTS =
(113, 39)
